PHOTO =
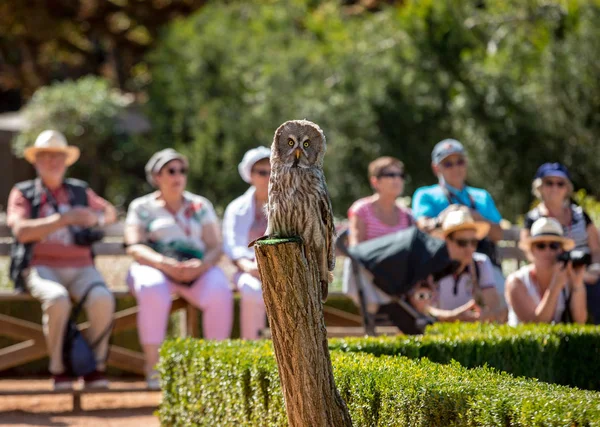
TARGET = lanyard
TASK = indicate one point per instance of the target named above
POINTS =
(452, 199)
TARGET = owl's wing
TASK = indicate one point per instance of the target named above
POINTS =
(327, 218)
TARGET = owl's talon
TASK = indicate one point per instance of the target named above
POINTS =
(252, 243)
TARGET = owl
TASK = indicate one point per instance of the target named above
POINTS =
(299, 203)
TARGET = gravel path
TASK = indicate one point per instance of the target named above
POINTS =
(119, 409)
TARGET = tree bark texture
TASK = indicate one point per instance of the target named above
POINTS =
(292, 294)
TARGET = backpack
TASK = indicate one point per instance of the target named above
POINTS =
(20, 253)
(78, 356)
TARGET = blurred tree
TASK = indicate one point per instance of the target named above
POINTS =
(45, 40)
(88, 112)
(515, 81)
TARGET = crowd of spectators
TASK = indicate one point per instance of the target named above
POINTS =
(176, 242)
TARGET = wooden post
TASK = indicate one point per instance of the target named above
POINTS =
(292, 295)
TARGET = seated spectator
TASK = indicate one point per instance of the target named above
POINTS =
(473, 283)
(544, 290)
(380, 214)
(429, 204)
(50, 262)
(246, 220)
(552, 186)
(175, 240)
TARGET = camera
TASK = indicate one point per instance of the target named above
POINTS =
(87, 236)
(577, 258)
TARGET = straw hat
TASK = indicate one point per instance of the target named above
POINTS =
(54, 141)
(547, 230)
(250, 158)
(461, 219)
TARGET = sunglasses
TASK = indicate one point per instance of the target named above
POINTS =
(550, 183)
(391, 175)
(262, 172)
(543, 245)
(463, 243)
(175, 171)
(447, 164)
(423, 296)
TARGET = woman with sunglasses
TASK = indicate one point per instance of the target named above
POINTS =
(380, 214)
(245, 220)
(542, 291)
(175, 240)
(473, 283)
(553, 187)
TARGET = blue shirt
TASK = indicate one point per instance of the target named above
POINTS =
(432, 200)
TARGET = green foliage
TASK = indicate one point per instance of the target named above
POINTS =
(236, 383)
(87, 112)
(561, 354)
(226, 78)
(590, 205)
(515, 81)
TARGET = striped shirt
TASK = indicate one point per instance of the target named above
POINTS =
(576, 230)
(363, 209)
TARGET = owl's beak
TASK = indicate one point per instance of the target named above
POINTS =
(298, 153)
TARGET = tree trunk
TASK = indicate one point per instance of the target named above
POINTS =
(292, 295)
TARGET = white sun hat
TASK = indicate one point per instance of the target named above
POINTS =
(547, 230)
(250, 158)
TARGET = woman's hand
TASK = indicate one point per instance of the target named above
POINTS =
(172, 268)
(560, 276)
(575, 276)
(191, 269)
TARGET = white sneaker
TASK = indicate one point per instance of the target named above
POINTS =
(62, 382)
(95, 380)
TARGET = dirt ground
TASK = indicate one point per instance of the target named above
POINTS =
(119, 409)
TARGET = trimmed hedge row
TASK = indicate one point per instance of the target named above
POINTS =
(559, 354)
(236, 383)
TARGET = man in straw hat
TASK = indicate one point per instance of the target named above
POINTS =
(547, 290)
(473, 282)
(51, 218)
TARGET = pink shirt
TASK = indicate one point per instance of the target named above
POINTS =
(363, 208)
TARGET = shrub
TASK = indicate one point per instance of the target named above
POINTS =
(561, 354)
(236, 383)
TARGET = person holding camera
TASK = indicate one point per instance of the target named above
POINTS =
(553, 187)
(473, 283)
(51, 219)
(549, 289)
(175, 240)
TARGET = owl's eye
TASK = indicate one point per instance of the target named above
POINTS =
(291, 142)
(306, 144)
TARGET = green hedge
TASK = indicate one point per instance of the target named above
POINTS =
(560, 354)
(236, 383)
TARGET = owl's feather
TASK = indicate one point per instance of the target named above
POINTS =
(299, 203)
